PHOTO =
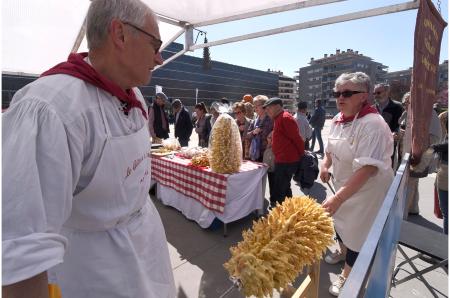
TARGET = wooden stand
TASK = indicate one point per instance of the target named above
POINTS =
(310, 286)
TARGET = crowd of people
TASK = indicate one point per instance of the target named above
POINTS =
(85, 218)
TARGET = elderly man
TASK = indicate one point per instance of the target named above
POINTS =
(389, 109)
(287, 146)
(76, 210)
(183, 123)
(158, 119)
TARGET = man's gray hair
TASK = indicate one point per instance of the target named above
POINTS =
(385, 86)
(358, 78)
(102, 12)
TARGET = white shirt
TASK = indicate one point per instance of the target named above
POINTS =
(304, 128)
(365, 141)
(53, 138)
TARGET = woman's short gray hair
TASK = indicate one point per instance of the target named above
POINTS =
(102, 12)
(358, 78)
(260, 99)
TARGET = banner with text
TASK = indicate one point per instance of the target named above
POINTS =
(427, 47)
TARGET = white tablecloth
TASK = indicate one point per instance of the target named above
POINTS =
(245, 194)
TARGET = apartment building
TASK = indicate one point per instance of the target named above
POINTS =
(316, 81)
(287, 90)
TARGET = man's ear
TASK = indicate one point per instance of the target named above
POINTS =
(117, 33)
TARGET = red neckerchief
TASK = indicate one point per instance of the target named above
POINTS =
(76, 66)
(366, 109)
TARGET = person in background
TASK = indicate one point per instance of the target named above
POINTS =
(214, 109)
(243, 123)
(359, 148)
(203, 124)
(442, 172)
(390, 110)
(84, 222)
(317, 122)
(269, 160)
(443, 119)
(287, 146)
(183, 123)
(259, 129)
(304, 128)
(249, 110)
(247, 98)
(442, 181)
(435, 134)
(158, 119)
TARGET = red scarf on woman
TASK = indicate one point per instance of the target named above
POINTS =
(76, 66)
(366, 109)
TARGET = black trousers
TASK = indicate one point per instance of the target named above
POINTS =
(351, 255)
(183, 142)
(282, 176)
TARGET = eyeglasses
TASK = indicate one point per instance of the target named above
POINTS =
(346, 93)
(378, 92)
(157, 43)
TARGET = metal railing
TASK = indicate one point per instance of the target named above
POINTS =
(372, 273)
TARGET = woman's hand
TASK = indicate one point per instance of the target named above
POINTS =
(332, 204)
(324, 174)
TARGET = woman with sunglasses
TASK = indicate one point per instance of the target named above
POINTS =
(359, 148)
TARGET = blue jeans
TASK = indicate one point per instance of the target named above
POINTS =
(443, 204)
(317, 132)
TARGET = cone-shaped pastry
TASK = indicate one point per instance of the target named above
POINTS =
(225, 147)
(274, 252)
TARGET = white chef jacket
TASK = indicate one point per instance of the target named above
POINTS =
(53, 138)
(364, 141)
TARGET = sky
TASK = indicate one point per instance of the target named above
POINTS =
(388, 39)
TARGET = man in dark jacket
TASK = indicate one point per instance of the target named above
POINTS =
(183, 123)
(389, 109)
(317, 122)
(158, 121)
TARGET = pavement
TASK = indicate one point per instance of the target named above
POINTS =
(197, 255)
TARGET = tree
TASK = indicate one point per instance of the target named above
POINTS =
(398, 88)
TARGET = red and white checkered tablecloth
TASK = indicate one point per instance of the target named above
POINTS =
(203, 185)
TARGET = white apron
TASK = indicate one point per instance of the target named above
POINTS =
(116, 241)
(355, 216)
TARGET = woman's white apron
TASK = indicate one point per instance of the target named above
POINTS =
(355, 216)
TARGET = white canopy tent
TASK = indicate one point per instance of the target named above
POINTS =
(40, 33)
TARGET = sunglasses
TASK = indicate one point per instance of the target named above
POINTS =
(378, 92)
(156, 42)
(346, 93)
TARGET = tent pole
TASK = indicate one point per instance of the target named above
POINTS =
(316, 23)
(80, 36)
